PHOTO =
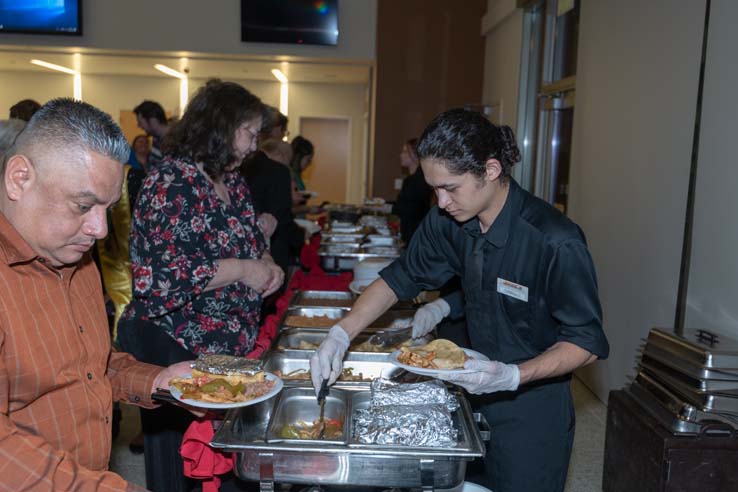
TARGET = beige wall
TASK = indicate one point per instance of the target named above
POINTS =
(502, 27)
(202, 26)
(336, 100)
(41, 87)
(430, 57)
(713, 281)
(637, 76)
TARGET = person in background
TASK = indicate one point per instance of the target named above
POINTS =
(23, 110)
(199, 259)
(57, 372)
(152, 119)
(140, 150)
(274, 126)
(9, 129)
(414, 199)
(530, 294)
(302, 156)
(270, 184)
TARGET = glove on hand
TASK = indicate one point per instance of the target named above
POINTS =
(427, 317)
(489, 377)
(327, 361)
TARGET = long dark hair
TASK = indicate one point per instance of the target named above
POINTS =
(207, 129)
(464, 140)
(301, 147)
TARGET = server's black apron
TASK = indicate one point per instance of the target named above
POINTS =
(533, 427)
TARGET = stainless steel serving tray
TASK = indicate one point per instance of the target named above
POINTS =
(367, 364)
(676, 414)
(687, 367)
(341, 238)
(322, 298)
(698, 348)
(387, 320)
(704, 401)
(288, 340)
(298, 405)
(244, 432)
(381, 240)
(695, 384)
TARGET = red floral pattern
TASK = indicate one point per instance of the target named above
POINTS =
(180, 230)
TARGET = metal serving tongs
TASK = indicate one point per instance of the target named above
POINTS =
(322, 393)
(391, 337)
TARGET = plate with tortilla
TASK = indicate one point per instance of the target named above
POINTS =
(437, 357)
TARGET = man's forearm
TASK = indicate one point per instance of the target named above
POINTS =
(375, 300)
(561, 358)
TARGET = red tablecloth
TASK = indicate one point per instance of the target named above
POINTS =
(205, 463)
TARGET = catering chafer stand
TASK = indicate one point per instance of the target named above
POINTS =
(249, 432)
(674, 428)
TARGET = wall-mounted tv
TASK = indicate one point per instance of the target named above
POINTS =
(290, 21)
(41, 16)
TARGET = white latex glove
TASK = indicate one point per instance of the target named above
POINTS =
(489, 377)
(427, 317)
(327, 361)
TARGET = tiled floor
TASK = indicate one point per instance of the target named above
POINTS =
(585, 470)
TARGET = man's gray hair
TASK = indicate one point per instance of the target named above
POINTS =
(70, 125)
(9, 129)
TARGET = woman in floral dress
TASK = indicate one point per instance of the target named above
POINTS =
(199, 259)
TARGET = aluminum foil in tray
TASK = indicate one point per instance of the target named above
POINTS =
(415, 415)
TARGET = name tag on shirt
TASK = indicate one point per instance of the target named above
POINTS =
(512, 289)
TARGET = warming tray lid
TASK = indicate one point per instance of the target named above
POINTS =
(699, 347)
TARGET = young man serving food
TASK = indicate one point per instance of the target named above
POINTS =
(530, 296)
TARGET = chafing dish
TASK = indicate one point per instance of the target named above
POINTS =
(368, 365)
(334, 237)
(373, 240)
(322, 298)
(291, 339)
(344, 256)
(244, 432)
(295, 317)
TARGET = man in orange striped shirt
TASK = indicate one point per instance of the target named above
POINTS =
(58, 376)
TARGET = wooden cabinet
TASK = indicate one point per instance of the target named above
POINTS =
(643, 455)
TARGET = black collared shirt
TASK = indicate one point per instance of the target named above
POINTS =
(530, 245)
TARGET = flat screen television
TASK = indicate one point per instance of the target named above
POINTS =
(290, 21)
(41, 16)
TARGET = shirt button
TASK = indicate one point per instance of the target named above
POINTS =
(42, 260)
(89, 375)
(81, 329)
(136, 399)
(107, 420)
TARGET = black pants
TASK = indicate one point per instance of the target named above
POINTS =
(532, 437)
(163, 427)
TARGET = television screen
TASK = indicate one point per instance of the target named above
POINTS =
(41, 16)
(290, 21)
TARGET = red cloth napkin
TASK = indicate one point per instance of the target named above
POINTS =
(200, 460)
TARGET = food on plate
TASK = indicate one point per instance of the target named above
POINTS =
(304, 374)
(311, 430)
(310, 321)
(438, 354)
(222, 388)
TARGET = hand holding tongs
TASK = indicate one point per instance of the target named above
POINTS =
(321, 401)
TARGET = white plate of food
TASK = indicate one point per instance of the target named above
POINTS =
(435, 358)
(253, 389)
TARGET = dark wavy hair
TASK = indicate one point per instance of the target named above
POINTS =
(465, 140)
(301, 147)
(207, 129)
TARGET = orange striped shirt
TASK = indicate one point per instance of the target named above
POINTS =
(58, 377)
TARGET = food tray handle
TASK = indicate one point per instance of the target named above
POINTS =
(483, 426)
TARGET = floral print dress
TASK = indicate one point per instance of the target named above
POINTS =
(180, 229)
